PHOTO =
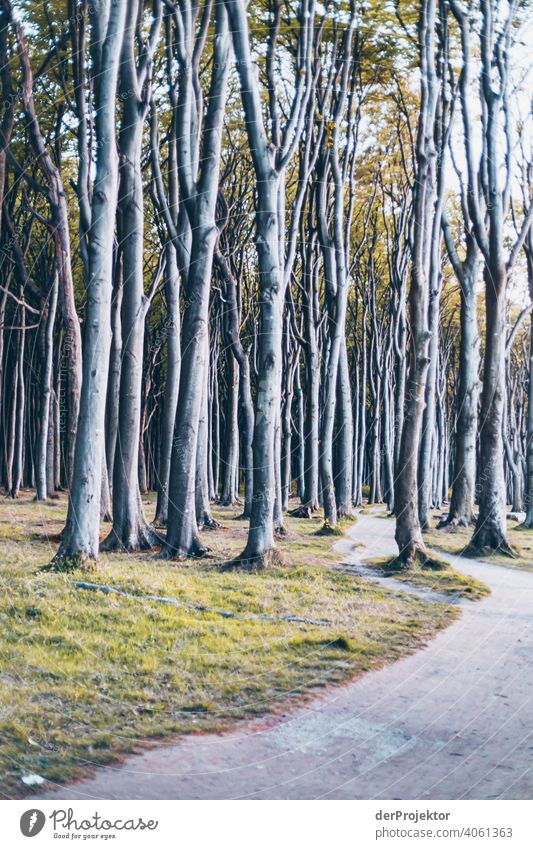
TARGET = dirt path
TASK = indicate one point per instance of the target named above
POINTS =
(452, 721)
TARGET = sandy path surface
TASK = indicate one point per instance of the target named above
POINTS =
(453, 721)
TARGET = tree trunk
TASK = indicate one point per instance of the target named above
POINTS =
(182, 536)
(130, 531)
(46, 390)
(81, 535)
(172, 331)
(464, 465)
(408, 532)
(491, 527)
(344, 437)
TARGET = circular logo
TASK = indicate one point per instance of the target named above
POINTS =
(32, 822)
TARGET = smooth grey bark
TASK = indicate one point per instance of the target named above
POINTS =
(172, 332)
(461, 510)
(19, 409)
(204, 518)
(489, 231)
(343, 437)
(333, 245)
(443, 122)
(260, 542)
(528, 494)
(270, 159)
(242, 356)
(115, 360)
(230, 458)
(41, 481)
(131, 531)
(300, 448)
(408, 532)
(286, 433)
(312, 375)
(359, 449)
(81, 535)
(182, 534)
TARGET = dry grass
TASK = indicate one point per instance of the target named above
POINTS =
(86, 677)
(434, 574)
(455, 540)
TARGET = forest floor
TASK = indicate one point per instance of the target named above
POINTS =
(86, 678)
(450, 721)
(455, 540)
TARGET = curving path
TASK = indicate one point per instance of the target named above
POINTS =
(452, 721)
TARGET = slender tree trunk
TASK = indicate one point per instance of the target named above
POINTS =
(204, 517)
(408, 531)
(528, 523)
(172, 330)
(115, 360)
(46, 390)
(464, 464)
(81, 535)
(491, 527)
(182, 535)
(344, 437)
(19, 402)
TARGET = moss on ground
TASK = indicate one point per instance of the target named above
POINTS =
(87, 677)
(435, 574)
(455, 540)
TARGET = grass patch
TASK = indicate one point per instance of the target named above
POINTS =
(87, 677)
(435, 575)
(455, 540)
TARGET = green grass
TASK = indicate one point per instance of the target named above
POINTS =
(87, 677)
(435, 575)
(456, 540)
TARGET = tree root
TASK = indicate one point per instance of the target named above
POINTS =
(208, 524)
(473, 550)
(197, 551)
(143, 539)
(66, 563)
(200, 608)
(419, 560)
(302, 512)
(451, 524)
(328, 530)
(247, 562)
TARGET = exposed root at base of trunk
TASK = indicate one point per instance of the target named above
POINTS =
(197, 550)
(449, 523)
(230, 502)
(414, 555)
(248, 562)
(65, 563)
(207, 523)
(280, 531)
(426, 561)
(504, 548)
(345, 513)
(304, 511)
(328, 530)
(143, 539)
